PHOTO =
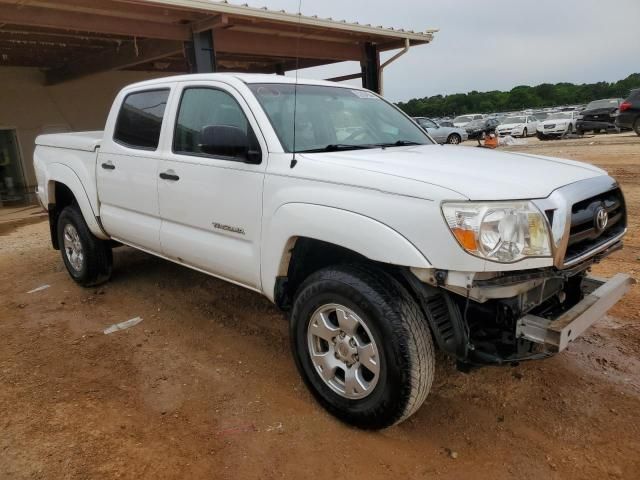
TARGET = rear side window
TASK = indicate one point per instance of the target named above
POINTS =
(140, 119)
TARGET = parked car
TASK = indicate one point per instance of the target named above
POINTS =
(479, 129)
(462, 120)
(557, 124)
(442, 134)
(518, 126)
(599, 115)
(629, 112)
(380, 244)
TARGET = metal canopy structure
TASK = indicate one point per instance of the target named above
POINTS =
(70, 39)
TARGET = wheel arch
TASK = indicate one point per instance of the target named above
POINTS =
(297, 243)
(64, 188)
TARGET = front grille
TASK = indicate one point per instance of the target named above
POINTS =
(585, 234)
(551, 125)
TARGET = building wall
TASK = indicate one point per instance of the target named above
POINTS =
(32, 108)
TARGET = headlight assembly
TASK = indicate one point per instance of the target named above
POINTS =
(501, 232)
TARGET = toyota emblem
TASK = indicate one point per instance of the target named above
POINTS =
(601, 219)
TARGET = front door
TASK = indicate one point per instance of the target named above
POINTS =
(211, 205)
(127, 170)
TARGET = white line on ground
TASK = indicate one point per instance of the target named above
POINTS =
(38, 289)
(123, 325)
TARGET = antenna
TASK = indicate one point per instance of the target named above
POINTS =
(294, 161)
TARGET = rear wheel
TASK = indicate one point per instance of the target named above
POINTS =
(87, 258)
(454, 139)
(362, 345)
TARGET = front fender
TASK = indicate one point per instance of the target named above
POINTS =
(58, 172)
(359, 233)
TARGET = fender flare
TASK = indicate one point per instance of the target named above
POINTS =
(350, 230)
(58, 172)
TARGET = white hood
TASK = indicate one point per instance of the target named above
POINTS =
(509, 126)
(475, 173)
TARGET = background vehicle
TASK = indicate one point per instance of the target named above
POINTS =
(461, 120)
(629, 112)
(599, 115)
(442, 134)
(518, 126)
(479, 129)
(557, 124)
(381, 244)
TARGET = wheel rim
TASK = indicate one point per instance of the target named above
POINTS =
(454, 140)
(73, 247)
(343, 351)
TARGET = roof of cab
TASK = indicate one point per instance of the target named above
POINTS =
(230, 77)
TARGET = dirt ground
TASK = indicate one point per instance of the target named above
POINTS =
(205, 386)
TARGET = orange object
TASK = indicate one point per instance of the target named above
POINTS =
(491, 141)
(466, 238)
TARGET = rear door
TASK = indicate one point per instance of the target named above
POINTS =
(211, 206)
(127, 168)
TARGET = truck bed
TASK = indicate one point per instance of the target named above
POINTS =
(85, 141)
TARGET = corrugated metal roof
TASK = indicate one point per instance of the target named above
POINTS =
(225, 7)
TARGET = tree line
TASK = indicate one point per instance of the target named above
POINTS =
(518, 98)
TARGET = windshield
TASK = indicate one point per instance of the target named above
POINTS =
(462, 119)
(334, 118)
(603, 104)
(509, 120)
(560, 116)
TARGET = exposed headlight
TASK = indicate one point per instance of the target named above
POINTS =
(501, 232)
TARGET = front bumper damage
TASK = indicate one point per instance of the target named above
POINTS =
(555, 334)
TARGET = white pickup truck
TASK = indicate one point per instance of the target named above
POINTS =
(381, 244)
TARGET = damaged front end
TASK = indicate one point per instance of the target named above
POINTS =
(504, 318)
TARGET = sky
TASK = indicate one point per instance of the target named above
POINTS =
(491, 44)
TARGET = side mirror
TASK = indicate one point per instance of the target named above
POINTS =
(228, 141)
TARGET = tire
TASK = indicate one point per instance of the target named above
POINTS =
(88, 259)
(454, 139)
(636, 126)
(398, 332)
(525, 133)
(569, 129)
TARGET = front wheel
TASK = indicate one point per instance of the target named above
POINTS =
(454, 139)
(87, 258)
(362, 345)
(525, 133)
(636, 126)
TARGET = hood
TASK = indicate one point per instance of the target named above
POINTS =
(475, 173)
(600, 111)
(504, 126)
(562, 121)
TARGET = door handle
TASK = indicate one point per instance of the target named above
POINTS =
(169, 175)
(108, 166)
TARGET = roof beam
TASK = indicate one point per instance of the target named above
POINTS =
(230, 41)
(129, 55)
(46, 17)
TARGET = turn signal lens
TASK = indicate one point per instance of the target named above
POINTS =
(466, 238)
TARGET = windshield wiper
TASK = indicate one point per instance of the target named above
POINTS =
(336, 147)
(399, 143)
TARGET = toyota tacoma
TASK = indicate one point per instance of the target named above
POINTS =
(380, 244)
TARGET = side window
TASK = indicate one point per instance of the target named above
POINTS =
(202, 107)
(140, 119)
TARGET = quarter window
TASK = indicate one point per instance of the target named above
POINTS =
(140, 119)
